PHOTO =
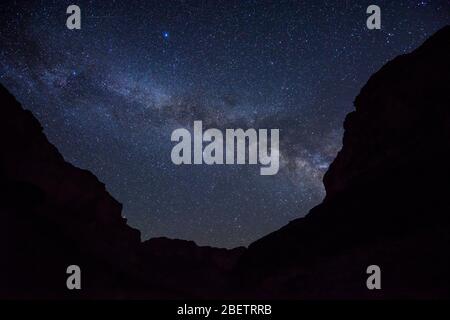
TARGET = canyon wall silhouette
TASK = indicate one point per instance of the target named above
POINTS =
(387, 194)
(54, 215)
(387, 203)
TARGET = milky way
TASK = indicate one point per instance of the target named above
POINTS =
(109, 96)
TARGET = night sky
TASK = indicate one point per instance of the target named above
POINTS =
(110, 95)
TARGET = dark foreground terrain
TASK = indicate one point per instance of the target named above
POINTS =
(387, 203)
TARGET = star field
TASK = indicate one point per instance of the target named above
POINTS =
(109, 96)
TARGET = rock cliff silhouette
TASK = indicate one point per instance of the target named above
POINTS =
(387, 194)
(387, 203)
(54, 215)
